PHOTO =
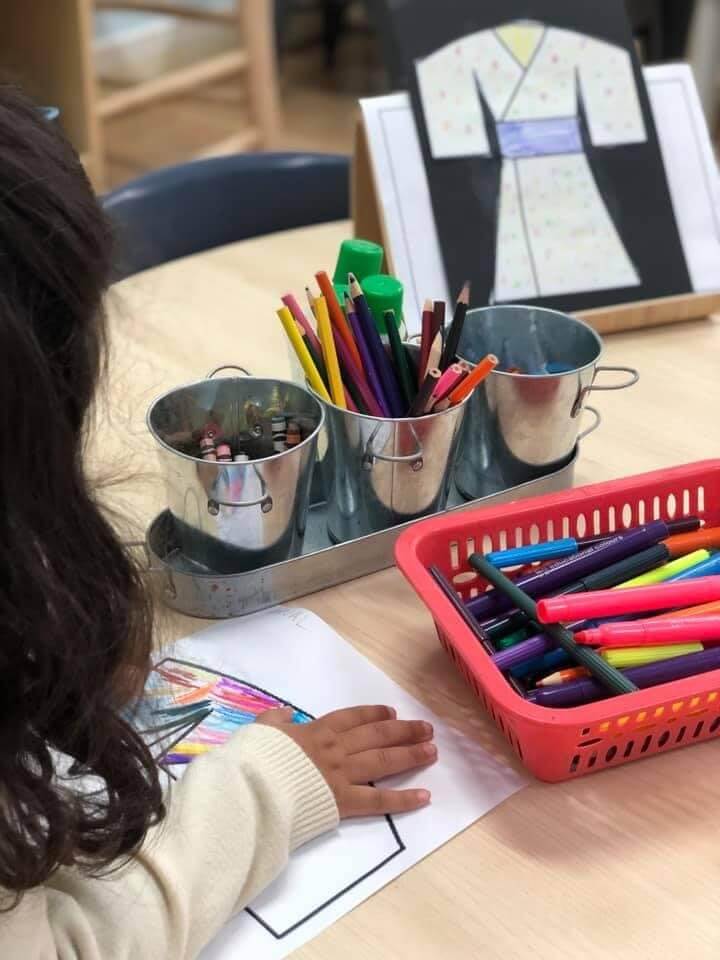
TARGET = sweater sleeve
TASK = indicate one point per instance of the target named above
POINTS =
(232, 821)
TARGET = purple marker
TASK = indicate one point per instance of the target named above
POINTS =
(534, 646)
(556, 575)
(367, 361)
(684, 525)
(381, 361)
(650, 675)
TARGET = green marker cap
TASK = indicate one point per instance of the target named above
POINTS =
(361, 257)
(383, 293)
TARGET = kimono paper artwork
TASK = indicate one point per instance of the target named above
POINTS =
(554, 232)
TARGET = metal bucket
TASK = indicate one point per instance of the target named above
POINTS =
(234, 517)
(520, 425)
(382, 472)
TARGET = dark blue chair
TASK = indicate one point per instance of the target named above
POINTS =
(196, 206)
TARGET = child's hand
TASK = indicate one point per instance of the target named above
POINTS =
(354, 747)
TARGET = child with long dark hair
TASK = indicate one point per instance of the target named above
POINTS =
(119, 870)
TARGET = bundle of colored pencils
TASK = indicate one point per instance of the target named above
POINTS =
(346, 362)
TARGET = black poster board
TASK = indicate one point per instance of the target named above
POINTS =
(628, 177)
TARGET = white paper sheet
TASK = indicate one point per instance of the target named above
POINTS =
(401, 182)
(690, 167)
(295, 656)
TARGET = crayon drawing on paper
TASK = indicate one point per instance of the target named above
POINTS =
(197, 709)
(517, 91)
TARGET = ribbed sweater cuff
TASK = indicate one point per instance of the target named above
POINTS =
(298, 780)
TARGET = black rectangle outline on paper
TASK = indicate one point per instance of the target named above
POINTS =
(393, 829)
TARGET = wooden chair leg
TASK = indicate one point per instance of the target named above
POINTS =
(257, 23)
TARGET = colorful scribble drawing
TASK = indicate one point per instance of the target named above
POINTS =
(554, 232)
(196, 708)
(190, 709)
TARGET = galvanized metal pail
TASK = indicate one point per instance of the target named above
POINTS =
(381, 472)
(234, 517)
(520, 425)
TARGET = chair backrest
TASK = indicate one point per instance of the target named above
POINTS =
(192, 207)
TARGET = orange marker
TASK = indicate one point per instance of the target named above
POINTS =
(702, 610)
(479, 373)
(339, 320)
(705, 538)
(564, 676)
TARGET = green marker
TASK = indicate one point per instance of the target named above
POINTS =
(667, 570)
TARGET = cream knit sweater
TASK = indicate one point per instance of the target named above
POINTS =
(234, 818)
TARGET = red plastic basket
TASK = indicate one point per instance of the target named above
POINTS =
(561, 744)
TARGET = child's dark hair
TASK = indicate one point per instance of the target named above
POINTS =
(74, 617)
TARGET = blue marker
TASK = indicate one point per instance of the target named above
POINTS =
(706, 568)
(549, 550)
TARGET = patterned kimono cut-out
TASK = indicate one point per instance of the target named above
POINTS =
(554, 234)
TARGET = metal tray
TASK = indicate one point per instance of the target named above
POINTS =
(195, 590)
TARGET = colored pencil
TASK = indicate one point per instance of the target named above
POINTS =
(582, 656)
(337, 317)
(337, 390)
(419, 403)
(439, 323)
(564, 676)
(349, 400)
(381, 360)
(297, 312)
(309, 368)
(355, 380)
(435, 354)
(445, 384)
(402, 366)
(608, 603)
(317, 358)
(456, 327)
(479, 373)
(426, 339)
(371, 373)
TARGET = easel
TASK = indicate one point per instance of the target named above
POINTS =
(369, 223)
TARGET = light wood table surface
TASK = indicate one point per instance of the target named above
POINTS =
(622, 864)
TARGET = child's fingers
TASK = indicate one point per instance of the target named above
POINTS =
(371, 801)
(275, 717)
(386, 733)
(341, 720)
(375, 764)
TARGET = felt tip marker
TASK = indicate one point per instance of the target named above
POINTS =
(518, 556)
(558, 574)
(648, 633)
(608, 603)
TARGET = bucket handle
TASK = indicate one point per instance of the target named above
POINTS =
(593, 426)
(414, 459)
(633, 378)
(228, 366)
(264, 501)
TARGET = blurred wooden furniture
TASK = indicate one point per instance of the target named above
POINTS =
(47, 47)
(254, 59)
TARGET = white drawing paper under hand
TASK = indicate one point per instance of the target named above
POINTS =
(291, 655)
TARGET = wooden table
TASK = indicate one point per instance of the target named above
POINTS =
(625, 864)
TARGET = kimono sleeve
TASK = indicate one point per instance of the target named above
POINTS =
(448, 85)
(609, 94)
